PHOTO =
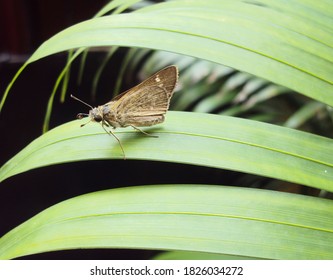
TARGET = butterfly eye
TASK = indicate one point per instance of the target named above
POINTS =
(98, 118)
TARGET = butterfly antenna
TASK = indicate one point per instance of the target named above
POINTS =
(74, 97)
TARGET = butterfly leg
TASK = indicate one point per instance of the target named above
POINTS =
(150, 135)
(111, 133)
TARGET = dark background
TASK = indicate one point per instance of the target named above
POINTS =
(25, 25)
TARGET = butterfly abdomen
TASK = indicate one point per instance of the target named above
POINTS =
(144, 121)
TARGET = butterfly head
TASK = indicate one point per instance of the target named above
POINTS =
(96, 114)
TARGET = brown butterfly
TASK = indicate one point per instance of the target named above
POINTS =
(143, 105)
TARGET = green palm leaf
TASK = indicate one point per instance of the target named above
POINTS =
(289, 43)
(192, 138)
(199, 218)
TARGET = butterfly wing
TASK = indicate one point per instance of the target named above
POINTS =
(166, 78)
(146, 103)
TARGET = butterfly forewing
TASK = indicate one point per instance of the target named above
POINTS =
(146, 103)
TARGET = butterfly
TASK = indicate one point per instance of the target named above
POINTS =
(143, 105)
